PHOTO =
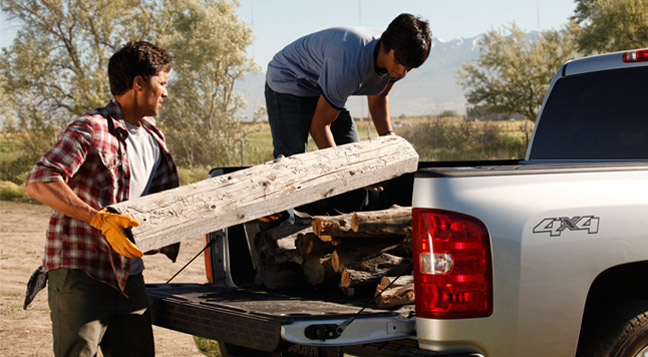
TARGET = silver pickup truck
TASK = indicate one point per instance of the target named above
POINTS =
(546, 256)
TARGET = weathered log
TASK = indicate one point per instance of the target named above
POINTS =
(278, 245)
(396, 220)
(389, 222)
(395, 281)
(310, 244)
(318, 271)
(188, 211)
(279, 276)
(400, 292)
(328, 227)
(374, 269)
(352, 253)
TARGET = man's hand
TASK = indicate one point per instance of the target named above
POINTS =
(112, 227)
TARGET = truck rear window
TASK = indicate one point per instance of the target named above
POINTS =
(595, 116)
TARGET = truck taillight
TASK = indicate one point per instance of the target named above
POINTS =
(452, 265)
(636, 56)
(208, 261)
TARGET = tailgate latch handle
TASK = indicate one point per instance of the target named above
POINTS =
(323, 332)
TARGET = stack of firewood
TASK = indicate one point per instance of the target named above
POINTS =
(357, 252)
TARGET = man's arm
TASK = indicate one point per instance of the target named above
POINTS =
(60, 197)
(379, 109)
(325, 114)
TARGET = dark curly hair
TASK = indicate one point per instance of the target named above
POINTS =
(136, 58)
(410, 38)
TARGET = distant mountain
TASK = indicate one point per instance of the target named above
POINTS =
(429, 89)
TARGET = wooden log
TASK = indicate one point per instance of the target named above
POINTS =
(374, 269)
(278, 245)
(396, 220)
(318, 271)
(389, 222)
(400, 292)
(394, 281)
(188, 211)
(310, 244)
(329, 227)
(352, 253)
(279, 276)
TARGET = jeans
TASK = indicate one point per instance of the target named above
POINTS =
(290, 119)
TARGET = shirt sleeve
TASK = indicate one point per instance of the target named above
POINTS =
(65, 157)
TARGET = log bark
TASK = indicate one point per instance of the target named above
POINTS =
(279, 276)
(329, 227)
(318, 271)
(310, 244)
(278, 245)
(396, 220)
(352, 253)
(188, 211)
(375, 269)
(401, 292)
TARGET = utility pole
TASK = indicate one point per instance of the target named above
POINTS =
(362, 101)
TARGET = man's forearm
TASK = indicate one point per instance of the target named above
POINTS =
(324, 115)
(60, 197)
(379, 109)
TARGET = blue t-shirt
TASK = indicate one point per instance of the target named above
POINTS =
(336, 62)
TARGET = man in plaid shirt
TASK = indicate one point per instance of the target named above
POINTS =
(96, 292)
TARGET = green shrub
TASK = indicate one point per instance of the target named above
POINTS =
(446, 140)
(189, 175)
(11, 191)
(207, 347)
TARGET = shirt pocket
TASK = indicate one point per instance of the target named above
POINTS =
(107, 171)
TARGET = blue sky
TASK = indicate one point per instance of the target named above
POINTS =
(278, 22)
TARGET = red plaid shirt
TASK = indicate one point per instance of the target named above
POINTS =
(91, 157)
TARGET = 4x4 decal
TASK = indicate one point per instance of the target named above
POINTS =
(555, 226)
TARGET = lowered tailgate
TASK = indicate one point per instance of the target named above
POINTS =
(261, 320)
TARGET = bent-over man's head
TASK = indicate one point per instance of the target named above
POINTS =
(410, 38)
(136, 58)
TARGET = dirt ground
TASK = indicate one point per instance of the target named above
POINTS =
(28, 332)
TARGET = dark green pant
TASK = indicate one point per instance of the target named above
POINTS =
(87, 314)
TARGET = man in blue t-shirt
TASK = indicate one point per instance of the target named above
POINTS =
(308, 82)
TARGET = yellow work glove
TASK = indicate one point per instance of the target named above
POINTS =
(112, 227)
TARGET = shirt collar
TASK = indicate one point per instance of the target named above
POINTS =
(115, 112)
(379, 71)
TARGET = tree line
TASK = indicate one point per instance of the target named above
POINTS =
(56, 67)
(513, 72)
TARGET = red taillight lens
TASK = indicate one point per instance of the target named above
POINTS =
(636, 56)
(208, 264)
(452, 271)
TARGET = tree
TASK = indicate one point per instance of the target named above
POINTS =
(56, 67)
(513, 71)
(611, 25)
(201, 119)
